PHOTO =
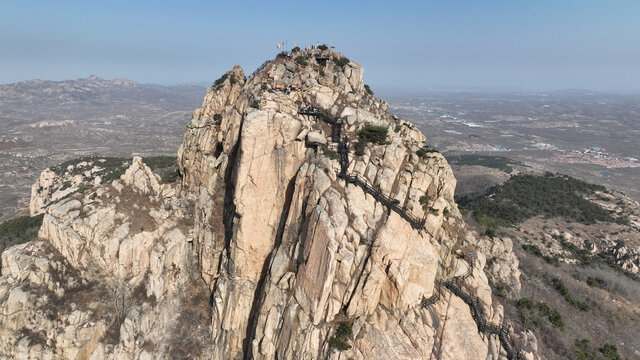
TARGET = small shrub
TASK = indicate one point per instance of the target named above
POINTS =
(232, 79)
(374, 134)
(434, 211)
(323, 47)
(255, 104)
(338, 341)
(532, 249)
(610, 352)
(342, 62)
(491, 232)
(360, 146)
(555, 319)
(368, 90)
(499, 290)
(331, 154)
(321, 72)
(218, 83)
(595, 282)
(581, 350)
(397, 128)
(426, 150)
(217, 118)
(282, 55)
(564, 291)
(300, 60)
(338, 344)
(532, 313)
(264, 86)
(295, 49)
(445, 212)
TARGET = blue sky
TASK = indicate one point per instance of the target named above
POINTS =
(528, 45)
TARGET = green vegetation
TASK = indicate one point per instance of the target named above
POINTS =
(424, 201)
(564, 291)
(160, 162)
(374, 134)
(217, 118)
(65, 185)
(295, 49)
(525, 196)
(112, 167)
(165, 162)
(426, 150)
(610, 352)
(533, 249)
(300, 60)
(218, 83)
(584, 257)
(255, 104)
(582, 351)
(282, 55)
(371, 133)
(321, 72)
(170, 176)
(445, 212)
(397, 128)
(323, 47)
(331, 154)
(83, 187)
(532, 313)
(339, 340)
(498, 289)
(342, 62)
(596, 282)
(495, 162)
(19, 231)
(489, 223)
(368, 89)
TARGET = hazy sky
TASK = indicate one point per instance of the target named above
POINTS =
(515, 44)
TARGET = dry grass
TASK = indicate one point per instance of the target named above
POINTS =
(191, 333)
(613, 318)
(141, 220)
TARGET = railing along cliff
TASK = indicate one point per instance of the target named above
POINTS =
(343, 152)
(477, 312)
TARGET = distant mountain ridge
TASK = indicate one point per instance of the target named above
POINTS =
(92, 88)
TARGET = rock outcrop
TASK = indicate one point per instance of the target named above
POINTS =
(263, 251)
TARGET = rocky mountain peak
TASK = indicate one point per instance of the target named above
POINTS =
(309, 223)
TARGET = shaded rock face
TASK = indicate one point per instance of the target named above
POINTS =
(262, 251)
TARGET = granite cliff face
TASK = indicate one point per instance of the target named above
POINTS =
(266, 249)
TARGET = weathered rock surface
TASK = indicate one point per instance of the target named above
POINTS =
(262, 251)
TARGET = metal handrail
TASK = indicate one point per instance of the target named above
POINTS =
(477, 313)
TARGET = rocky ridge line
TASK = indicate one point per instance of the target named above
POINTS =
(262, 251)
